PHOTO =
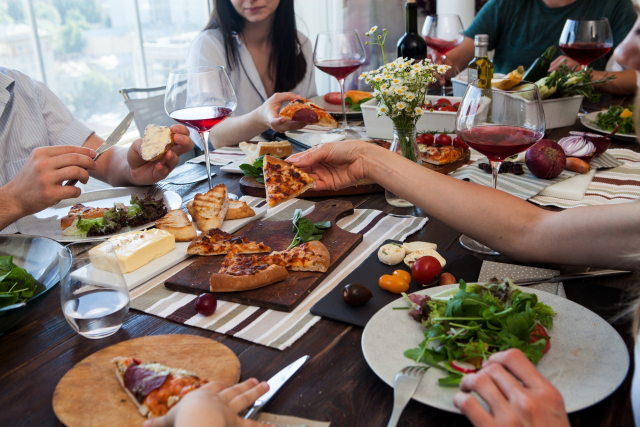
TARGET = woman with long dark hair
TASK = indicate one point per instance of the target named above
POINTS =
(268, 62)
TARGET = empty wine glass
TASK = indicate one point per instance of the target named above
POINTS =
(442, 33)
(499, 124)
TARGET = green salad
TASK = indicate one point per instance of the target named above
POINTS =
(16, 285)
(465, 325)
(622, 116)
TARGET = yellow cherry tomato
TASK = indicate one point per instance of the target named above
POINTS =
(404, 275)
(393, 284)
(626, 113)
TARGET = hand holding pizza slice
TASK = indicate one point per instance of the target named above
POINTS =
(305, 111)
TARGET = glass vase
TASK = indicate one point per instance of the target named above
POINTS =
(404, 143)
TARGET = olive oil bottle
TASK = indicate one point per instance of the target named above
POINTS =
(481, 68)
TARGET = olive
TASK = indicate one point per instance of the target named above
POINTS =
(356, 294)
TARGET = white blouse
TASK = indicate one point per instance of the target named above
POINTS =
(635, 385)
(208, 49)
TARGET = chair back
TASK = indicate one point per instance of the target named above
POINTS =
(147, 109)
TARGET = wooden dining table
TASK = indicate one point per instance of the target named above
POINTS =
(336, 384)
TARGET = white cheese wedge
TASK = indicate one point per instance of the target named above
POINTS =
(418, 246)
(391, 254)
(155, 142)
(133, 250)
(413, 256)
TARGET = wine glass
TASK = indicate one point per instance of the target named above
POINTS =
(93, 291)
(499, 124)
(339, 53)
(200, 97)
(585, 40)
(442, 33)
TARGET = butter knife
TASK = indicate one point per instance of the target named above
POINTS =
(275, 383)
(574, 276)
(113, 139)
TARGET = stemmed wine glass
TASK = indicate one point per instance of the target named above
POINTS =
(585, 40)
(499, 124)
(339, 53)
(442, 33)
(200, 97)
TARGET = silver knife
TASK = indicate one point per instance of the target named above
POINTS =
(113, 139)
(574, 276)
(275, 383)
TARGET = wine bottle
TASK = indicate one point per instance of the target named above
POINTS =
(481, 68)
(411, 44)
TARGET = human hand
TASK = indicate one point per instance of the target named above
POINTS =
(563, 60)
(270, 113)
(38, 184)
(146, 173)
(334, 165)
(516, 393)
(213, 405)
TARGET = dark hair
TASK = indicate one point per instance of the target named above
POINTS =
(287, 61)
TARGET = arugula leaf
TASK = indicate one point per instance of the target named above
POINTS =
(255, 170)
(355, 106)
(306, 230)
(16, 285)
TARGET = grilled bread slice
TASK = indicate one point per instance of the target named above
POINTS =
(177, 223)
(279, 149)
(210, 208)
(239, 209)
(156, 142)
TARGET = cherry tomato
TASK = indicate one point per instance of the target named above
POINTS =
(206, 304)
(333, 98)
(425, 138)
(447, 108)
(393, 284)
(539, 333)
(442, 102)
(457, 142)
(404, 275)
(425, 270)
(456, 105)
(427, 106)
(443, 139)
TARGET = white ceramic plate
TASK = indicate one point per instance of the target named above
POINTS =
(587, 361)
(165, 262)
(47, 222)
(589, 121)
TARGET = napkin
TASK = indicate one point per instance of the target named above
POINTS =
(572, 188)
(285, 420)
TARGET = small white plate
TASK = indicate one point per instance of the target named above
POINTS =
(589, 121)
(234, 167)
(312, 139)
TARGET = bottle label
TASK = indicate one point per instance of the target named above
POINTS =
(473, 74)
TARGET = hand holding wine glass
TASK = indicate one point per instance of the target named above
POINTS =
(442, 33)
(200, 97)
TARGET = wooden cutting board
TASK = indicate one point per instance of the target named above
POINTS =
(446, 169)
(287, 294)
(251, 187)
(90, 394)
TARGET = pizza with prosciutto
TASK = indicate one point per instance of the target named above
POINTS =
(305, 111)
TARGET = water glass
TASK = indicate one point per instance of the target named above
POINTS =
(93, 291)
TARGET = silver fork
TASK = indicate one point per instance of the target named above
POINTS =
(404, 386)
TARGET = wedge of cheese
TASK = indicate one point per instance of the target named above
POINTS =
(133, 250)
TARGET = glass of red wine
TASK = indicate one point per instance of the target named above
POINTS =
(200, 97)
(339, 53)
(585, 40)
(499, 124)
(442, 33)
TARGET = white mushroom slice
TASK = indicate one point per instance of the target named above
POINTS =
(391, 254)
(413, 256)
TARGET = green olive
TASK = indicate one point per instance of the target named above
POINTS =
(356, 294)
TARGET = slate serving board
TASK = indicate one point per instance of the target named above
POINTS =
(466, 267)
(287, 294)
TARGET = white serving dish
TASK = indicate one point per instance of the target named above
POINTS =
(558, 112)
(382, 127)
(460, 82)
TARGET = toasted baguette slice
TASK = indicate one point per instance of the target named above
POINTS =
(210, 208)
(177, 223)
(238, 209)
(263, 275)
(279, 149)
(156, 142)
(283, 181)
(192, 211)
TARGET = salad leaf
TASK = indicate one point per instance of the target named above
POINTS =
(255, 170)
(607, 120)
(305, 230)
(16, 285)
(355, 106)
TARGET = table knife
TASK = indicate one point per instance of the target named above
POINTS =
(113, 139)
(574, 276)
(275, 383)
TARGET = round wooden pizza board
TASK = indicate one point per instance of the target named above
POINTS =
(251, 187)
(90, 394)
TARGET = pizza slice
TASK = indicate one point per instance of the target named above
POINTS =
(283, 181)
(441, 155)
(153, 387)
(305, 111)
(309, 256)
(218, 242)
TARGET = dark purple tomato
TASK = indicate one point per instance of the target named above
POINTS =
(206, 304)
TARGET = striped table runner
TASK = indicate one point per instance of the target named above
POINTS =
(610, 186)
(269, 327)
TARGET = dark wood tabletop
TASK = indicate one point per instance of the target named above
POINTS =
(335, 385)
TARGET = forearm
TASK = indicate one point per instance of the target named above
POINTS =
(623, 84)
(234, 130)
(9, 211)
(459, 58)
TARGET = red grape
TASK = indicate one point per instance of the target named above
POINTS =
(206, 304)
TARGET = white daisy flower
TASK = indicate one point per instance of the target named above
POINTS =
(384, 85)
(401, 106)
(418, 111)
(373, 29)
(396, 81)
(362, 76)
(385, 92)
(409, 96)
(442, 69)
(378, 78)
(381, 109)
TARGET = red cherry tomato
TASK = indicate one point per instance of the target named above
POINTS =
(206, 304)
(333, 98)
(425, 270)
(539, 333)
(442, 102)
(447, 108)
(425, 138)
(457, 142)
(456, 105)
(427, 106)
(443, 139)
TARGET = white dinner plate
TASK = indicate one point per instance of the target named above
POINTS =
(588, 359)
(165, 262)
(589, 121)
(47, 222)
